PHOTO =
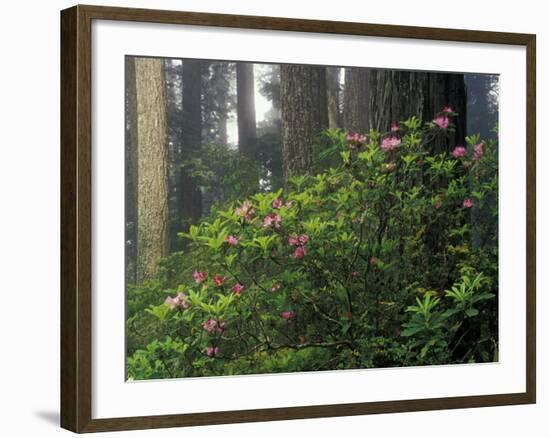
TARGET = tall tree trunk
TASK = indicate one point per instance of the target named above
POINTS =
(152, 167)
(246, 109)
(333, 96)
(356, 99)
(131, 168)
(398, 95)
(189, 194)
(304, 115)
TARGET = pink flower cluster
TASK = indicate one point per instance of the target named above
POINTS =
(478, 152)
(231, 240)
(279, 203)
(468, 203)
(212, 351)
(287, 315)
(237, 289)
(213, 326)
(390, 143)
(459, 151)
(219, 280)
(442, 122)
(246, 211)
(272, 220)
(179, 301)
(356, 140)
(199, 276)
(299, 242)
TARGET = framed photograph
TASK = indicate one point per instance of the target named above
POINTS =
(268, 219)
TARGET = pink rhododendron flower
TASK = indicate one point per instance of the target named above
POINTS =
(237, 289)
(232, 240)
(298, 240)
(287, 315)
(277, 203)
(459, 151)
(213, 326)
(288, 204)
(300, 252)
(468, 203)
(246, 211)
(219, 280)
(275, 287)
(199, 276)
(355, 139)
(478, 152)
(212, 351)
(442, 122)
(390, 143)
(180, 300)
(394, 127)
(373, 261)
(272, 220)
(446, 109)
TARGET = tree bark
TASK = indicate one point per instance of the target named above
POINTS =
(333, 96)
(246, 109)
(398, 95)
(131, 168)
(304, 115)
(152, 167)
(189, 197)
(356, 100)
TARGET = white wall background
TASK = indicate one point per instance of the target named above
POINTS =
(29, 217)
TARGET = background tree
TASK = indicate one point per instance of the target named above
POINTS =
(189, 198)
(397, 95)
(304, 114)
(152, 167)
(218, 101)
(356, 99)
(246, 109)
(333, 96)
(482, 98)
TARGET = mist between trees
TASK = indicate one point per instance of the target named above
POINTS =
(286, 218)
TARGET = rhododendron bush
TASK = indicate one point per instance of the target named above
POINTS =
(387, 258)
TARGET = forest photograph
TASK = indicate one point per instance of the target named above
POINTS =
(286, 218)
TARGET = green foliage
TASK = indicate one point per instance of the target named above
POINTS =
(375, 261)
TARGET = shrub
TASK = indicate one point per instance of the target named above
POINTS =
(387, 258)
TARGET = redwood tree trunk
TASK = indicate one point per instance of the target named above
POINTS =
(356, 100)
(333, 96)
(304, 115)
(131, 167)
(152, 167)
(398, 95)
(189, 197)
(246, 109)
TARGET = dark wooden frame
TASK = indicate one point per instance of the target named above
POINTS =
(76, 187)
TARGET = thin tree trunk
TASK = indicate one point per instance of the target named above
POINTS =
(304, 115)
(333, 96)
(152, 167)
(131, 168)
(189, 194)
(246, 109)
